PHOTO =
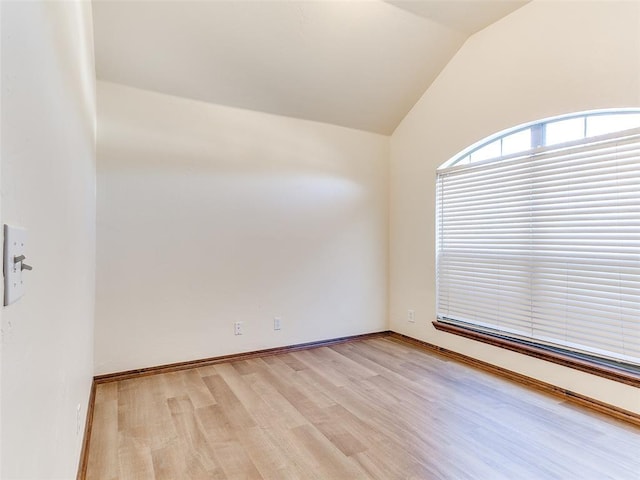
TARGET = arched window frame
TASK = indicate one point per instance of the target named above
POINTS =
(539, 146)
(538, 136)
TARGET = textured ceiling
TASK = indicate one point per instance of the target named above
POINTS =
(359, 64)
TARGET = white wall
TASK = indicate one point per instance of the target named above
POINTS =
(48, 187)
(545, 59)
(209, 215)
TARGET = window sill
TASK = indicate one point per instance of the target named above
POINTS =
(559, 358)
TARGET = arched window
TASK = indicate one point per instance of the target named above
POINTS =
(538, 236)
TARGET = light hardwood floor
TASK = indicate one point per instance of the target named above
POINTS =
(369, 409)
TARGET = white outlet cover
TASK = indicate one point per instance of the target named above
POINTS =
(15, 239)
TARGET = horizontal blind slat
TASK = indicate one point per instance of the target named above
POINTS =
(546, 247)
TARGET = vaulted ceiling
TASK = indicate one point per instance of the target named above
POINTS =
(359, 64)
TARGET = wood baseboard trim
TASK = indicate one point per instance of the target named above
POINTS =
(86, 439)
(583, 400)
(235, 357)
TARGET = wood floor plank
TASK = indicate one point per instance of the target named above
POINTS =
(134, 458)
(236, 413)
(339, 428)
(284, 414)
(282, 369)
(368, 409)
(170, 463)
(192, 438)
(235, 461)
(252, 401)
(271, 458)
(195, 387)
(328, 461)
(143, 413)
(316, 359)
(103, 458)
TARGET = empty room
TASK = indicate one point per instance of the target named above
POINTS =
(323, 239)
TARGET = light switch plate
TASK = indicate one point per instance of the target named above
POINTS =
(15, 239)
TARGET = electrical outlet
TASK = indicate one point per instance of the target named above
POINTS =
(237, 328)
(411, 316)
(277, 323)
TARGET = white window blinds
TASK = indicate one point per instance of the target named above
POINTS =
(546, 247)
